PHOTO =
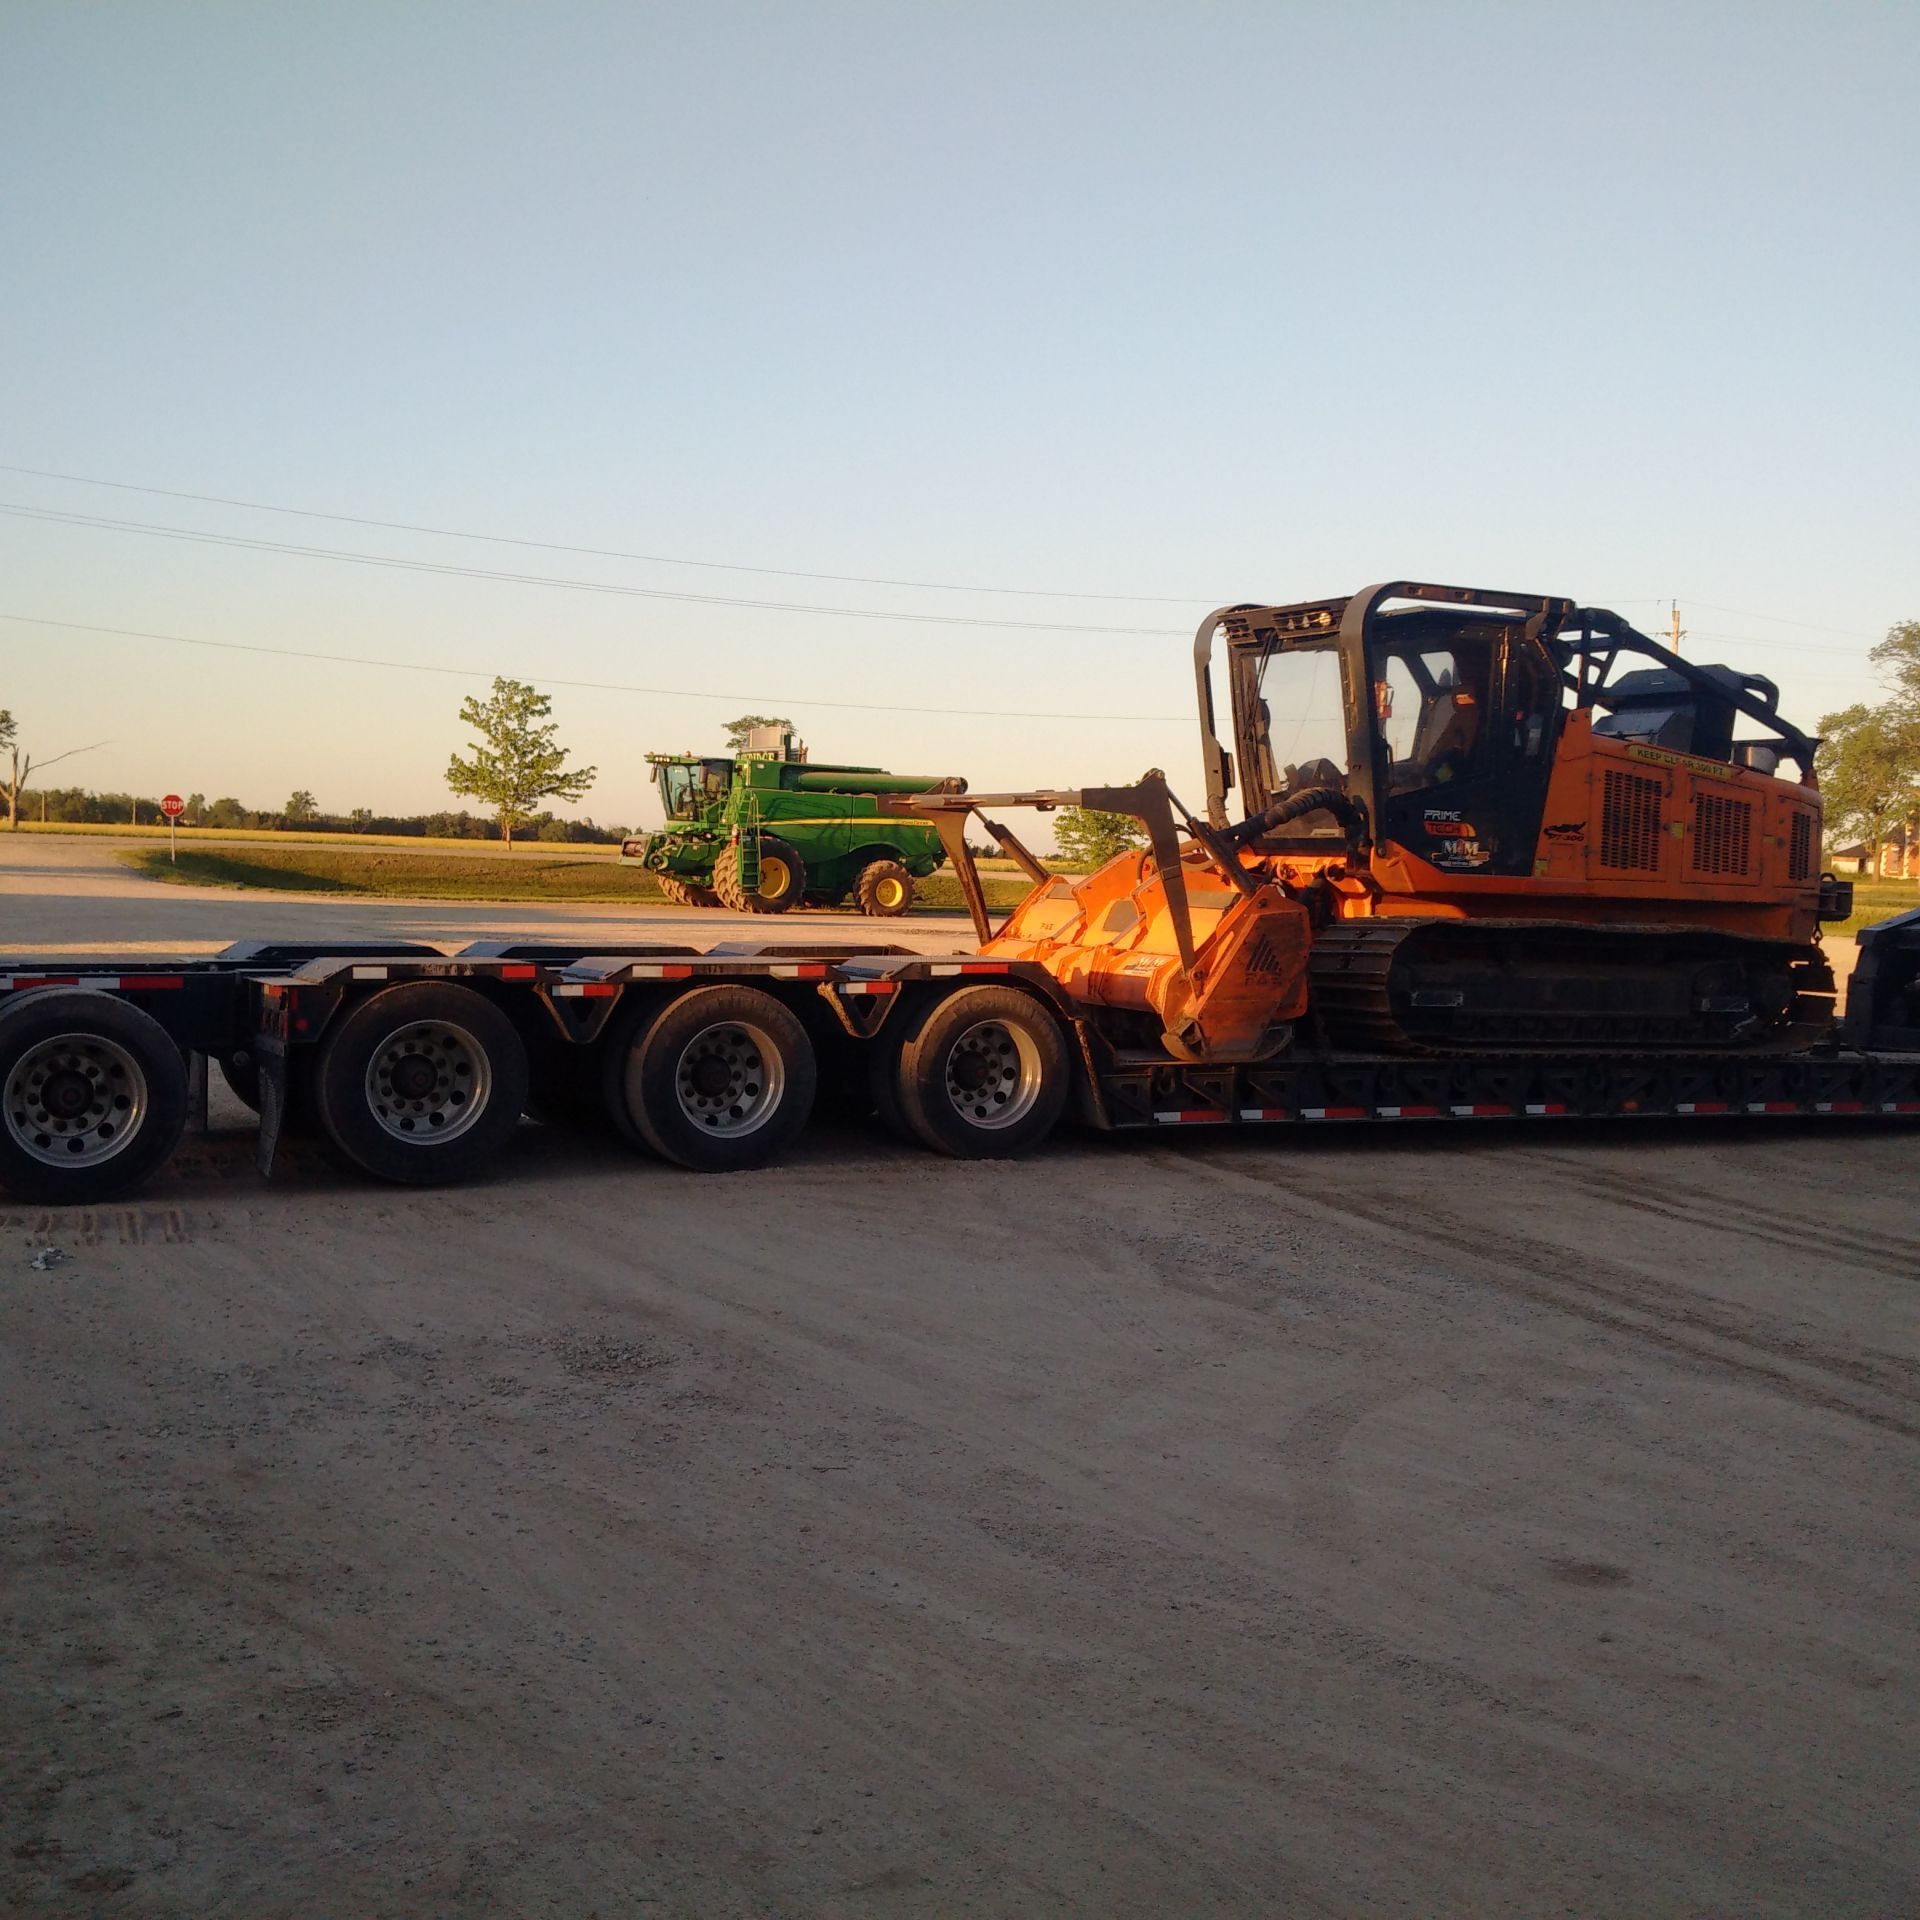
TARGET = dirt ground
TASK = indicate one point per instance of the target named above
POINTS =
(1396, 1521)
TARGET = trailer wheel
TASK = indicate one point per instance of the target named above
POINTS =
(885, 889)
(423, 1083)
(717, 1079)
(95, 1096)
(683, 893)
(241, 1072)
(783, 878)
(986, 1075)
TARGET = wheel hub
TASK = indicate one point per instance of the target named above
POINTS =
(66, 1094)
(74, 1100)
(428, 1080)
(730, 1079)
(993, 1074)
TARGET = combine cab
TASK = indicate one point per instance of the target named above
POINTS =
(768, 831)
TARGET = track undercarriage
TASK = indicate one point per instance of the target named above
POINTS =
(1444, 986)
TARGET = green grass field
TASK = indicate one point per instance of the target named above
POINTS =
(534, 874)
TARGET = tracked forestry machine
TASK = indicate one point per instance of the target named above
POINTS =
(1477, 832)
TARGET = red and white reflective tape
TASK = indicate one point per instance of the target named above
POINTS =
(101, 982)
(1409, 1113)
(1773, 1106)
(1486, 1111)
(657, 970)
(1900, 1106)
(1839, 1106)
(1266, 1113)
(1546, 1109)
(518, 972)
(1702, 1106)
(1197, 1117)
(585, 990)
(943, 969)
(1334, 1113)
(869, 986)
(798, 972)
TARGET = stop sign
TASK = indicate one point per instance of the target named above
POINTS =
(173, 806)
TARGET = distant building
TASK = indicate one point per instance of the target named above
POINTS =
(1899, 857)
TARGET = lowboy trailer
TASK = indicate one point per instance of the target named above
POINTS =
(414, 1064)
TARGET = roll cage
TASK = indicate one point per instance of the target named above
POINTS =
(1582, 646)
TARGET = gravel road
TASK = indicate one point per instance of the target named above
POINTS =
(1386, 1522)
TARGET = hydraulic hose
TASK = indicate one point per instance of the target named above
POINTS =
(1309, 800)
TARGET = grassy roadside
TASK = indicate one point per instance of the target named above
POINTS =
(293, 837)
(532, 875)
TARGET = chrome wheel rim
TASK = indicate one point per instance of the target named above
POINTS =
(729, 1079)
(75, 1100)
(992, 1075)
(428, 1081)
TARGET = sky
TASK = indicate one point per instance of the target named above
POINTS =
(1176, 306)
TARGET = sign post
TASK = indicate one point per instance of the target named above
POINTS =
(173, 807)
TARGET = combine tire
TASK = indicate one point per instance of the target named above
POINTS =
(716, 1079)
(95, 1095)
(423, 1083)
(986, 1074)
(783, 878)
(885, 889)
(683, 893)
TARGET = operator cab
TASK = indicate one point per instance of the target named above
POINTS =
(1434, 714)
(689, 787)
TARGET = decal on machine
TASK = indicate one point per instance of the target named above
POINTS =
(1461, 846)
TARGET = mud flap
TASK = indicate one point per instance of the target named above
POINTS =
(1883, 995)
(272, 1062)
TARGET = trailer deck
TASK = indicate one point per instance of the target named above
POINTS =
(415, 1062)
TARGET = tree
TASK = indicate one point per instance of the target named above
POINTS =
(1898, 658)
(22, 766)
(737, 730)
(516, 764)
(301, 806)
(1869, 771)
(196, 806)
(1094, 838)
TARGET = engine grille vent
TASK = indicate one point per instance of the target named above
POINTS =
(1800, 848)
(1722, 835)
(1630, 822)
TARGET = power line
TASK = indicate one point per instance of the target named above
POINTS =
(603, 553)
(1780, 620)
(447, 569)
(593, 686)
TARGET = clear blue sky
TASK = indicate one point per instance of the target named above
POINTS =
(1212, 302)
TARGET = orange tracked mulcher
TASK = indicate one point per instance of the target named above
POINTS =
(1471, 822)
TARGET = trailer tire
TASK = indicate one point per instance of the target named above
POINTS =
(986, 1074)
(884, 889)
(241, 1072)
(93, 1095)
(715, 1080)
(684, 893)
(783, 878)
(423, 1083)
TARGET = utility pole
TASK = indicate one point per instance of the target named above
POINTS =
(1677, 633)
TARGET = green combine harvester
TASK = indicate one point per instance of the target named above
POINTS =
(764, 831)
